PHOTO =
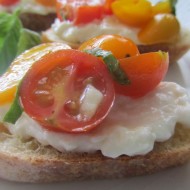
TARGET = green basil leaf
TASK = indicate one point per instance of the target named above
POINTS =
(112, 63)
(27, 40)
(173, 6)
(10, 27)
(14, 39)
(15, 110)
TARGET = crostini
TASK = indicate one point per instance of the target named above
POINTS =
(69, 115)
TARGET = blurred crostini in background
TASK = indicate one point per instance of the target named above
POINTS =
(36, 15)
(153, 26)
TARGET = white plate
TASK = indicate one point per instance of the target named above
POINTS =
(171, 179)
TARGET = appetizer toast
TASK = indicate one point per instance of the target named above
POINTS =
(31, 149)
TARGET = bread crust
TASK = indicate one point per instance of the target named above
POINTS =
(30, 162)
(176, 50)
(37, 22)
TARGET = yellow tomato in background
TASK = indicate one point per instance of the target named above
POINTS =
(162, 28)
(132, 12)
(162, 7)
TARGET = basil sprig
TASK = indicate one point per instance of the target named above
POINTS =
(15, 111)
(173, 6)
(112, 63)
(14, 39)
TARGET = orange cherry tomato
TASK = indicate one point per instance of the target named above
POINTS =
(52, 89)
(8, 2)
(121, 47)
(145, 71)
(132, 12)
(47, 3)
(79, 11)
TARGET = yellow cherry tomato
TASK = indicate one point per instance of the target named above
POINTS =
(162, 7)
(162, 28)
(47, 3)
(121, 47)
(9, 81)
(132, 12)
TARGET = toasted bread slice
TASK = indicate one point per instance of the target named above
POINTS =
(176, 50)
(28, 161)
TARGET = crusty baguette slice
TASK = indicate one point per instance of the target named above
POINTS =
(37, 22)
(28, 161)
(176, 50)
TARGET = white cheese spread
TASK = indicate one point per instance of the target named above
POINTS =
(31, 6)
(131, 127)
(69, 32)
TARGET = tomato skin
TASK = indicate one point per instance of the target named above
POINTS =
(162, 28)
(79, 11)
(162, 7)
(49, 3)
(20, 66)
(145, 71)
(107, 7)
(8, 2)
(73, 67)
(121, 47)
(133, 13)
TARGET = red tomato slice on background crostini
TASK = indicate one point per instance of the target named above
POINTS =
(8, 2)
(79, 11)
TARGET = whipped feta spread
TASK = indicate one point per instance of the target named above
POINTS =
(69, 32)
(131, 128)
(31, 6)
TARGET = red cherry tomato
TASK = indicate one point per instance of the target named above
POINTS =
(8, 2)
(79, 11)
(51, 90)
(107, 6)
(145, 71)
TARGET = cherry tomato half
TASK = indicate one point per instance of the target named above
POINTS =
(145, 71)
(79, 11)
(121, 47)
(8, 2)
(51, 90)
(49, 3)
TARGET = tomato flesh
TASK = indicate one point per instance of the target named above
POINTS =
(145, 72)
(79, 11)
(50, 92)
(8, 2)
